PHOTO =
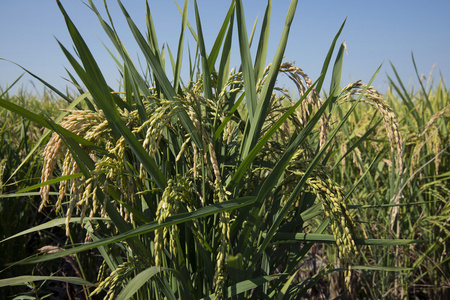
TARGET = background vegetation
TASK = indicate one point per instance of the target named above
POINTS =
(223, 185)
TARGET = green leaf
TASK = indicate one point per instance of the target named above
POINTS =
(224, 65)
(329, 55)
(138, 281)
(247, 65)
(219, 39)
(259, 111)
(261, 52)
(51, 181)
(284, 289)
(382, 268)
(207, 88)
(330, 239)
(23, 280)
(424, 92)
(41, 80)
(335, 84)
(246, 285)
(51, 224)
(180, 47)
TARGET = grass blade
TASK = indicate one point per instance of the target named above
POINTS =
(138, 281)
(207, 88)
(246, 285)
(51, 224)
(220, 37)
(180, 47)
(247, 65)
(261, 52)
(329, 55)
(25, 279)
(47, 123)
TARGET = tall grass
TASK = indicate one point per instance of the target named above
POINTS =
(220, 186)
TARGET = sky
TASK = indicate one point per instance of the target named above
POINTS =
(376, 33)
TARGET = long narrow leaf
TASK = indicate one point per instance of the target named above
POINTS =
(160, 75)
(173, 220)
(138, 281)
(180, 47)
(220, 37)
(207, 88)
(246, 285)
(51, 224)
(263, 44)
(247, 65)
(26, 279)
(328, 238)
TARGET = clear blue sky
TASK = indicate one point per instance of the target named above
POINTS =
(376, 32)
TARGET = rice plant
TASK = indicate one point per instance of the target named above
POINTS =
(219, 186)
(400, 204)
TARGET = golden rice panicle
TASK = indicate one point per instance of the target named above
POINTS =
(176, 194)
(432, 137)
(375, 99)
(75, 191)
(312, 101)
(220, 278)
(114, 282)
(341, 223)
(63, 184)
(77, 121)
(92, 126)
(51, 155)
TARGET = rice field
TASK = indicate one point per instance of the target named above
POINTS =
(223, 185)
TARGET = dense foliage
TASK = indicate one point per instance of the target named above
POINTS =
(223, 185)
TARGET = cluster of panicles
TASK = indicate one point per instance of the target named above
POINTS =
(177, 193)
(85, 123)
(335, 209)
(93, 126)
